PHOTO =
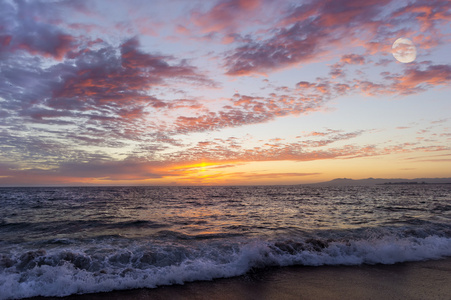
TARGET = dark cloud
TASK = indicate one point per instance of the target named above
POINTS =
(25, 28)
(59, 95)
(81, 172)
(102, 77)
(100, 86)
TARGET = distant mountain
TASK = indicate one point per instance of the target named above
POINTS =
(376, 181)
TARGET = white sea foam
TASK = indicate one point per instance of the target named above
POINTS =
(65, 271)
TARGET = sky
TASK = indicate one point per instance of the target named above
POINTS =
(225, 92)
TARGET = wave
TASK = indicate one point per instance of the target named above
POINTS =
(112, 264)
(58, 225)
(138, 224)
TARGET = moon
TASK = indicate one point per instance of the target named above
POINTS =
(404, 50)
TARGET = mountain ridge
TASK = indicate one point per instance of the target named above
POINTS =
(382, 181)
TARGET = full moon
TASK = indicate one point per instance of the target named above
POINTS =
(404, 50)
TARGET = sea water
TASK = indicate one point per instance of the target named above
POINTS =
(68, 240)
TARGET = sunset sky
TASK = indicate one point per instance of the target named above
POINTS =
(222, 92)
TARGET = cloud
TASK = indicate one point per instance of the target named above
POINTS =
(420, 79)
(353, 59)
(108, 87)
(102, 77)
(232, 150)
(79, 172)
(112, 170)
(347, 59)
(82, 99)
(281, 51)
(190, 163)
(311, 96)
(308, 32)
(245, 110)
(225, 15)
(414, 79)
(25, 30)
(274, 175)
(428, 13)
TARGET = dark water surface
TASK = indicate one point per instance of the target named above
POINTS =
(61, 241)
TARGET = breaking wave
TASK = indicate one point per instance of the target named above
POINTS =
(116, 264)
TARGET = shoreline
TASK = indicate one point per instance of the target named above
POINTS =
(409, 280)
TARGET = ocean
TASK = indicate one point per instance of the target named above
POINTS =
(59, 241)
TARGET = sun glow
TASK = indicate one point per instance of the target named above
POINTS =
(196, 167)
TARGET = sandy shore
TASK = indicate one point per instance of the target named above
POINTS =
(415, 280)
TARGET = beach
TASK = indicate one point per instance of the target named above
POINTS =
(410, 280)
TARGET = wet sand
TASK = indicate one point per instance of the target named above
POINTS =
(413, 280)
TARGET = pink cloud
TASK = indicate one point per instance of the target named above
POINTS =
(416, 78)
(373, 89)
(182, 29)
(102, 77)
(224, 15)
(106, 87)
(342, 89)
(252, 110)
(305, 84)
(305, 33)
(66, 84)
(311, 30)
(427, 13)
(274, 149)
(353, 59)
